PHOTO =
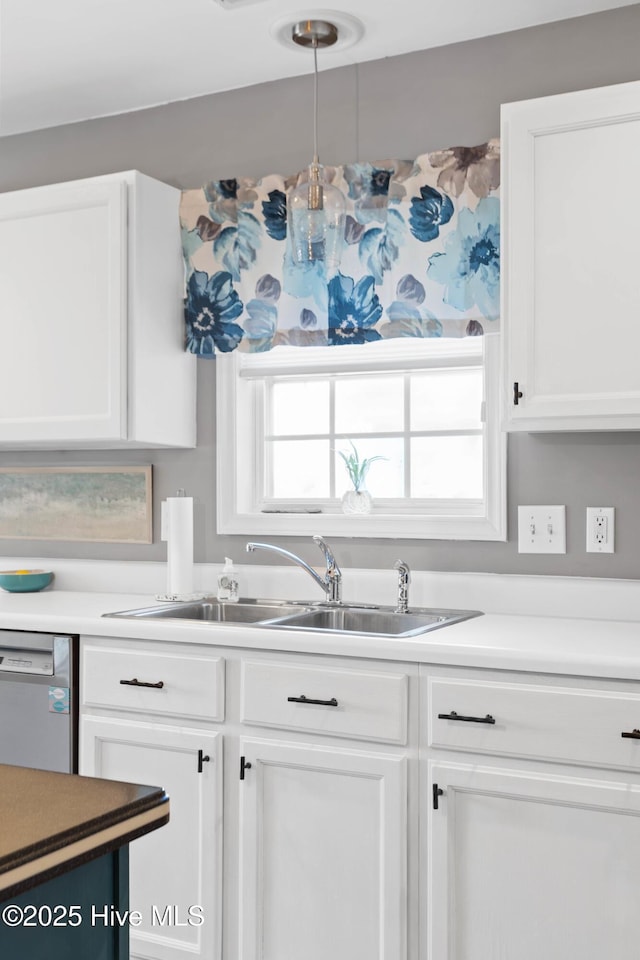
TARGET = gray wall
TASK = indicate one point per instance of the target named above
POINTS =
(398, 107)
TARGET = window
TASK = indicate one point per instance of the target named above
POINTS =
(429, 407)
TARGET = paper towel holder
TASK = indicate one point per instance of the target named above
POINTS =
(185, 593)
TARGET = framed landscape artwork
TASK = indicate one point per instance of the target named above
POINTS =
(100, 504)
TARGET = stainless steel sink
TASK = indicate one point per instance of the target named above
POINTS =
(284, 614)
(216, 611)
(381, 622)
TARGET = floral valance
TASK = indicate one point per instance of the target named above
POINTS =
(421, 258)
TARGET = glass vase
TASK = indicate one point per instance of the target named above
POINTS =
(357, 502)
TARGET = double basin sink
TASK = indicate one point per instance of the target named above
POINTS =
(323, 617)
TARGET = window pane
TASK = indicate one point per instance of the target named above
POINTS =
(385, 478)
(369, 404)
(299, 406)
(446, 467)
(300, 468)
(446, 400)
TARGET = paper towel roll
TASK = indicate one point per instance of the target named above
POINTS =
(178, 532)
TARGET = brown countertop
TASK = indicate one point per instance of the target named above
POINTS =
(52, 822)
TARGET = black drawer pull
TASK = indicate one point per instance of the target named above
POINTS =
(323, 703)
(456, 716)
(142, 683)
(633, 735)
(202, 758)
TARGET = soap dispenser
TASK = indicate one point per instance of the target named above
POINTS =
(228, 582)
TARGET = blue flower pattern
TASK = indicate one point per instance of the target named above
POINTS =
(211, 307)
(228, 189)
(274, 211)
(261, 324)
(429, 212)
(237, 247)
(421, 257)
(379, 249)
(469, 266)
(407, 314)
(380, 182)
(354, 309)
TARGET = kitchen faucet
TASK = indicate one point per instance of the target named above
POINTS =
(332, 582)
(404, 579)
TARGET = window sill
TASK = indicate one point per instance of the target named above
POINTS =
(373, 525)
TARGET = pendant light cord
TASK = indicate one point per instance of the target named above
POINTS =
(315, 100)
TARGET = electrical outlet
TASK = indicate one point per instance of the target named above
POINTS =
(541, 530)
(600, 529)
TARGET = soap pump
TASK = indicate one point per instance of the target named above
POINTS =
(228, 582)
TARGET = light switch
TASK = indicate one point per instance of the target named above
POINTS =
(541, 530)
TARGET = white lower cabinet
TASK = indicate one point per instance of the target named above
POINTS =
(322, 852)
(325, 818)
(179, 867)
(318, 854)
(524, 857)
(372, 810)
(528, 865)
(147, 716)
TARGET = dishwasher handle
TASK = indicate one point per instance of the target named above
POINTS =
(35, 663)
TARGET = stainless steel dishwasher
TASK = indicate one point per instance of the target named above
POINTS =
(38, 700)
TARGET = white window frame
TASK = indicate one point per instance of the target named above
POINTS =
(238, 508)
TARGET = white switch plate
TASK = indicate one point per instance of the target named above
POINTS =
(541, 530)
(600, 529)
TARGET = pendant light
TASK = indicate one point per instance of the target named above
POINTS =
(316, 209)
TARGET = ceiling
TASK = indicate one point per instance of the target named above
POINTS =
(62, 61)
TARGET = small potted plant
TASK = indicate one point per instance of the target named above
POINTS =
(359, 499)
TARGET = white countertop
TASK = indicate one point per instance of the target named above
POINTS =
(560, 645)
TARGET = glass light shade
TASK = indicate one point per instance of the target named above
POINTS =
(316, 215)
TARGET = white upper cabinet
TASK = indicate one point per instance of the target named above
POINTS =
(571, 256)
(91, 330)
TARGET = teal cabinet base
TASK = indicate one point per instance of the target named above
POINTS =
(75, 916)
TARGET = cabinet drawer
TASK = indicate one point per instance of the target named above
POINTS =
(366, 706)
(546, 723)
(167, 684)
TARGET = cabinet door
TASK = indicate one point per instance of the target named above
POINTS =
(526, 865)
(178, 866)
(570, 265)
(63, 312)
(323, 853)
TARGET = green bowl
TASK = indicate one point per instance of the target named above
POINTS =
(28, 581)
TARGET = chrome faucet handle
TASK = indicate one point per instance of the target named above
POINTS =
(330, 560)
(404, 579)
(333, 575)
